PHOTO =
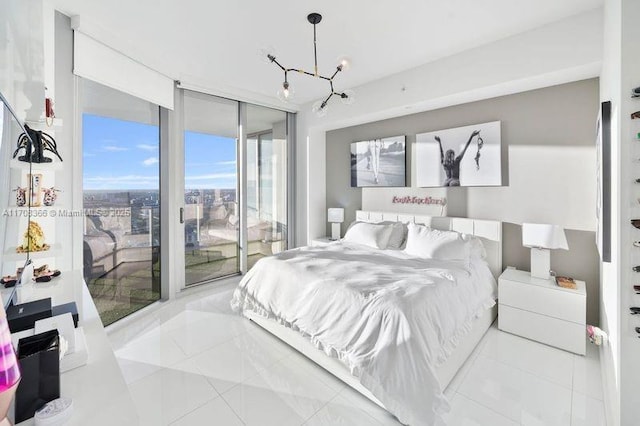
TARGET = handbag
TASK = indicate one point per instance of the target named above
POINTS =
(39, 359)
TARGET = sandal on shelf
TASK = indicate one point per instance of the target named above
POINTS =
(47, 275)
(41, 270)
(9, 281)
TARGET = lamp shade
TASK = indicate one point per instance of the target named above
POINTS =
(544, 236)
(335, 215)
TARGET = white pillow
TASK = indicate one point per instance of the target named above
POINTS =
(398, 234)
(431, 243)
(369, 234)
(476, 248)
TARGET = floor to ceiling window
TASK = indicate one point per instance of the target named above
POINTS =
(213, 222)
(211, 214)
(121, 189)
(266, 182)
(121, 183)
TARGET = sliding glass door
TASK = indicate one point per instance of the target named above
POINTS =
(213, 217)
(234, 208)
(266, 182)
(211, 214)
(121, 184)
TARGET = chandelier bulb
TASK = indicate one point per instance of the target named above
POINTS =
(344, 63)
(320, 108)
(286, 92)
(267, 54)
(348, 97)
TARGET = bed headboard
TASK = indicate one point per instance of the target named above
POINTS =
(489, 231)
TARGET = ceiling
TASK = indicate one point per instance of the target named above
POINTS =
(214, 44)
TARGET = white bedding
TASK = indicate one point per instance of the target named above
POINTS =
(390, 318)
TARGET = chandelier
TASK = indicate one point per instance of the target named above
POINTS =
(286, 92)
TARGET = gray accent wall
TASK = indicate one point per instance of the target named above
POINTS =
(549, 173)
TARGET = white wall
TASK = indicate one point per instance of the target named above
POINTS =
(568, 50)
(610, 89)
(539, 168)
(629, 370)
(22, 56)
(621, 73)
(69, 230)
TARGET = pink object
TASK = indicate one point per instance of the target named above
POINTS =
(9, 371)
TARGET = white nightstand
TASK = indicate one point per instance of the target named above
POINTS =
(321, 242)
(541, 310)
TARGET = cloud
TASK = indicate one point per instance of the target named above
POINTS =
(212, 176)
(147, 147)
(150, 161)
(121, 182)
(209, 164)
(114, 148)
(124, 178)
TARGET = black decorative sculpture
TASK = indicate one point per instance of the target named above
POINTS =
(35, 143)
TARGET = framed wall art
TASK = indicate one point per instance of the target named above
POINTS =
(462, 156)
(379, 162)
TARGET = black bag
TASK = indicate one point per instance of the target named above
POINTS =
(39, 359)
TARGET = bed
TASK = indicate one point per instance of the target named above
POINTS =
(368, 316)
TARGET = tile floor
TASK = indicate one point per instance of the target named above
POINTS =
(193, 362)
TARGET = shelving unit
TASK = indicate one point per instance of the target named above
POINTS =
(42, 124)
(634, 211)
(11, 255)
(17, 218)
(21, 165)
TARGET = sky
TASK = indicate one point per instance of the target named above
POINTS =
(121, 155)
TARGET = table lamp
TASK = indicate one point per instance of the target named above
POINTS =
(541, 238)
(335, 217)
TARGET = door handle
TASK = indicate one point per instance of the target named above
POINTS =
(181, 214)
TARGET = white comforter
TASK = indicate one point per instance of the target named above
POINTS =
(388, 317)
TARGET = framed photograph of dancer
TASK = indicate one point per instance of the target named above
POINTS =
(379, 162)
(463, 156)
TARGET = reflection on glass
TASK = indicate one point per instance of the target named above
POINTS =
(211, 217)
(266, 182)
(13, 223)
(121, 200)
